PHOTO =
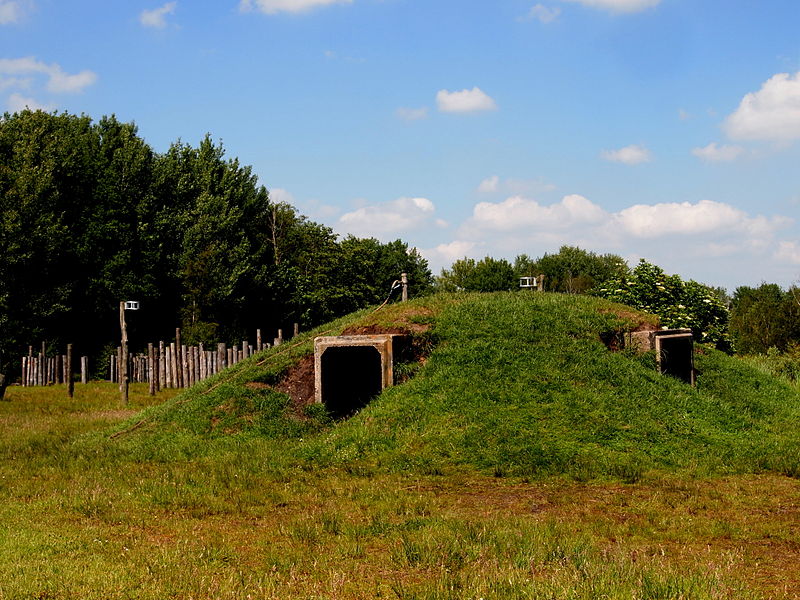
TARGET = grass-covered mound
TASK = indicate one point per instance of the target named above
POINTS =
(517, 384)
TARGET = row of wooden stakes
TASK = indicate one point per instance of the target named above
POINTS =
(176, 365)
(49, 370)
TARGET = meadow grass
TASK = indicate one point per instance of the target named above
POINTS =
(524, 460)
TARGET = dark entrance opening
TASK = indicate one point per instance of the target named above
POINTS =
(675, 353)
(351, 377)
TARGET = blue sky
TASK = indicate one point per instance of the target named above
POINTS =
(663, 129)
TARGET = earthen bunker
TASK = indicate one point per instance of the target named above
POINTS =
(350, 370)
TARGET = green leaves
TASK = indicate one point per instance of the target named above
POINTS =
(90, 215)
(678, 303)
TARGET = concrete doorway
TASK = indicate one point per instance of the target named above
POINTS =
(351, 370)
(351, 377)
(675, 355)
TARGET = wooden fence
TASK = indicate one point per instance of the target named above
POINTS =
(40, 369)
(164, 365)
(175, 365)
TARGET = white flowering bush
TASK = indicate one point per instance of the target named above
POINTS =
(678, 303)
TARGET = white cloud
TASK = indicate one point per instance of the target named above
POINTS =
(272, 7)
(629, 155)
(445, 255)
(512, 223)
(281, 196)
(157, 17)
(772, 113)
(12, 11)
(514, 187)
(489, 185)
(706, 240)
(542, 13)
(14, 82)
(789, 252)
(412, 114)
(18, 103)
(714, 153)
(684, 218)
(397, 216)
(57, 80)
(619, 6)
(517, 212)
(464, 101)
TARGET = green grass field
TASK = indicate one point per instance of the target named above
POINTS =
(523, 459)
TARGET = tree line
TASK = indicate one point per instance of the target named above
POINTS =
(91, 215)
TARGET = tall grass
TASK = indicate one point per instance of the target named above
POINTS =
(524, 460)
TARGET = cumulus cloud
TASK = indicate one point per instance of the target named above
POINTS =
(517, 212)
(772, 113)
(464, 101)
(447, 254)
(389, 218)
(684, 218)
(489, 185)
(629, 155)
(18, 103)
(619, 6)
(706, 240)
(272, 7)
(412, 114)
(514, 187)
(542, 14)
(57, 80)
(789, 252)
(512, 223)
(12, 11)
(14, 83)
(157, 17)
(714, 153)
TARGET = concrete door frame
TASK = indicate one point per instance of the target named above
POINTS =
(381, 342)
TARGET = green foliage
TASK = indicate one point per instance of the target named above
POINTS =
(572, 270)
(678, 303)
(765, 317)
(485, 275)
(90, 215)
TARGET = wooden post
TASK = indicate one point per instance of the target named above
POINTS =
(178, 358)
(84, 370)
(245, 349)
(280, 335)
(296, 329)
(151, 370)
(192, 363)
(70, 382)
(168, 366)
(203, 372)
(123, 363)
(221, 356)
(112, 371)
(162, 369)
(184, 366)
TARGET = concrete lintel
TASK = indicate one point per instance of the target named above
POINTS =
(381, 342)
(643, 341)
